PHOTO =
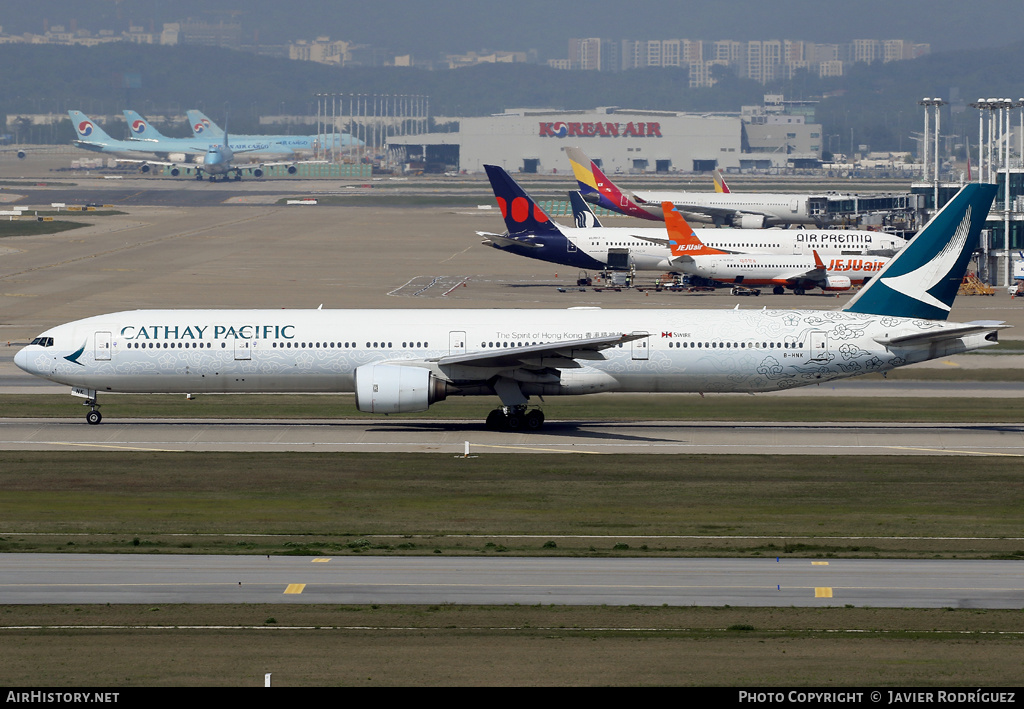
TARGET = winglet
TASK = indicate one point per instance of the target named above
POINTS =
(923, 278)
(682, 239)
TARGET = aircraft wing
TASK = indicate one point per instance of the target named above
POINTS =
(289, 162)
(162, 163)
(560, 355)
(713, 211)
(89, 145)
(502, 240)
(668, 242)
(815, 275)
(795, 279)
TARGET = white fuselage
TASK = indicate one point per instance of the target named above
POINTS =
(647, 250)
(762, 269)
(777, 208)
(196, 351)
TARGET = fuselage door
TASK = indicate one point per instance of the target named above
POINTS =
(641, 347)
(818, 346)
(456, 342)
(243, 348)
(102, 347)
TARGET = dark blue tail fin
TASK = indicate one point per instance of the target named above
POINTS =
(582, 214)
(521, 213)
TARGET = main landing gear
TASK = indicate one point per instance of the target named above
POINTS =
(515, 418)
(94, 416)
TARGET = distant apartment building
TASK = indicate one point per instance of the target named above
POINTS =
(758, 60)
(321, 50)
(59, 34)
(595, 54)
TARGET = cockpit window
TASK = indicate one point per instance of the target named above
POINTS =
(43, 341)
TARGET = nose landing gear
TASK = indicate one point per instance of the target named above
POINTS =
(94, 416)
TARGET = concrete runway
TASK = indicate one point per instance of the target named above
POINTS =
(440, 436)
(156, 579)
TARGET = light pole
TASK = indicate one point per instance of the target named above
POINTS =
(937, 104)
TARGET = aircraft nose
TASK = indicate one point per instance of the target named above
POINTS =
(21, 359)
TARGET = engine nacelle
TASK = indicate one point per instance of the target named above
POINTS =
(175, 172)
(257, 173)
(144, 169)
(837, 283)
(292, 169)
(394, 389)
(21, 154)
(748, 221)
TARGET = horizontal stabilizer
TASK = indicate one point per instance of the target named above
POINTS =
(945, 333)
(501, 240)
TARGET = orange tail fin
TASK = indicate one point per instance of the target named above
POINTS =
(683, 240)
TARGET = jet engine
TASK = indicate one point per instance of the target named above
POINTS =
(21, 154)
(748, 221)
(394, 389)
(144, 169)
(292, 169)
(257, 172)
(837, 283)
(175, 172)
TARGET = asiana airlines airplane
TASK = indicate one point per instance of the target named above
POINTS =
(406, 360)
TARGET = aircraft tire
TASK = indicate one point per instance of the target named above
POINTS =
(778, 290)
(534, 420)
(93, 417)
(495, 420)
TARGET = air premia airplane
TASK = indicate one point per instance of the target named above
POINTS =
(406, 360)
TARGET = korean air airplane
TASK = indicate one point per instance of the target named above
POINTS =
(532, 233)
(143, 130)
(219, 156)
(91, 137)
(407, 360)
(205, 129)
(745, 211)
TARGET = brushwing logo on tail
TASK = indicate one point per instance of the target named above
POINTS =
(916, 284)
(85, 128)
(138, 126)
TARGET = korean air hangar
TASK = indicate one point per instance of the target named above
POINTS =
(530, 140)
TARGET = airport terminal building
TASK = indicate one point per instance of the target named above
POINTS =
(620, 140)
